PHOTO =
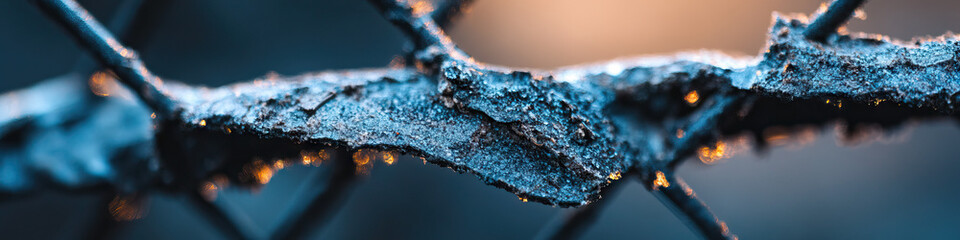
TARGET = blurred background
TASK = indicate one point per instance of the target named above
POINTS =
(902, 186)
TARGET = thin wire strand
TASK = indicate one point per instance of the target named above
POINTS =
(678, 196)
(302, 220)
(219, 218)
(572, 224)
(123, 61)
(827, 23)
(417, 22)
(700, 128)
(448, 11)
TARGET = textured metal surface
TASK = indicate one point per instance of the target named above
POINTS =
(556, 137)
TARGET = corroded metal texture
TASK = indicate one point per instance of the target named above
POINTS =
(557, 137)
(553, 136)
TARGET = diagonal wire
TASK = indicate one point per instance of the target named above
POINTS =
(448, 11)
(123, 61)
(302, 220)
(219, 218)
(826, 24)
(416, 20)
(678, 196)
(572, 224)
(699, 130)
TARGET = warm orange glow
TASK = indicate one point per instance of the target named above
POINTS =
(322, 156)
(422, 7)
(860, 14)
(126, 208)
(308, 158)
(153, 115)
(389, 157)
(724, 228)
(687, 190)
(102, 83)
(777, 139)
(838, 103)
(279, 164)
(397, 62)
(258, 172)
(822, 9)
(361, 158)
(209, 191)
(203, 123)
(263, 175)
(791, 137)
(614, 176)
(710, 155)
(661, 180)
(692, 97)
(522, 199)
(680, 133)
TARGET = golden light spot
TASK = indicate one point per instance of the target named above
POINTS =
(263, 175)
(309, 158)
(661, 180)
(689, 191)
(361, 158)
(710, 155)
(794, 137)
(126, 208)
(203, 123)
(614, 176)
(692, 97)
(102, 83)
(877, 101)
(258, 172)
(209, 191)
(422, 7)
(860, 14)
(279, 164)
(680, 133)
(322, 156)
(775, 135)
(389, 157)
(522, 199)
(153, 115)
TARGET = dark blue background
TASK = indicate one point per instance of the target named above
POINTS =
(901, 187)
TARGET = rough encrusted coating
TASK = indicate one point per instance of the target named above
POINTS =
(365, 109)
(547, 138)
(864, 68)
(567, 122)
